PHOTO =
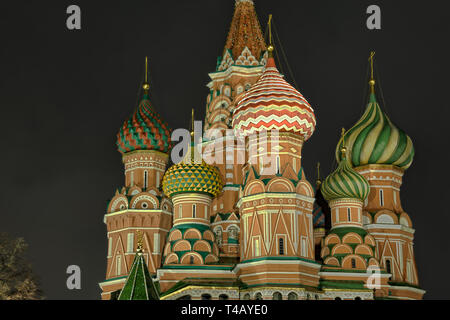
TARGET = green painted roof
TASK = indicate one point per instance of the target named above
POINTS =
(342, 284)
(139, 284)
(374, 139)
(345, 182)
(144, 130)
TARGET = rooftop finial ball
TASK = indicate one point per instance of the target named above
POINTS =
(372, 82)
(146, 86)
(270, 48)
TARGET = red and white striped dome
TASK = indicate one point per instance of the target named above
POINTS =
(273, 104)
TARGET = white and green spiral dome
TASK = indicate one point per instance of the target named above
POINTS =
(374, 139)
(345, 183)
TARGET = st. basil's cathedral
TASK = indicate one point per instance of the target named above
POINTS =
(237, 230)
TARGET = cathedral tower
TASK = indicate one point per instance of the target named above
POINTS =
(381, 152)
(348, 250)
(239, 67)
(276, 200)
(144, 142)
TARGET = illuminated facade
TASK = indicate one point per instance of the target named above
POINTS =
(252, 228)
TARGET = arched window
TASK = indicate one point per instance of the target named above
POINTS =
(292, 296)
(223, 297)
(158, 178)
(388, 266)
(278, 165)
(206, 296)
(194, 210)
(258, 296)
(281, 246)
(186, 297)
(277, 296)
(219, 238)
(118, 265)
(191, 259)
(247, 296)
(353, 263)
(145, 179)
(337, 298)
(349, 215)
(381, 198)
(357, 298)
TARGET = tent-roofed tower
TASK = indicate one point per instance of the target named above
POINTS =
(239, 67)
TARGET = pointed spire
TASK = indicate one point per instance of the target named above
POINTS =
(192, 123)
(372, 81)
(319, 180)
(343, 147)
(146, 85)
(245, 31)
(270, 48)
(139, 284)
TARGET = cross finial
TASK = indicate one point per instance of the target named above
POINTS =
(372, 80)
(146, 85)
(192, 121)
(270, 48)
(343, 148)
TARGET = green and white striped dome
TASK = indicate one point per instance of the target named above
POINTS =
(345, 182)
(374, 139)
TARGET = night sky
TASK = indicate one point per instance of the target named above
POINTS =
(64, 94)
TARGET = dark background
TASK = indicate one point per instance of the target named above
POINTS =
(64, 94)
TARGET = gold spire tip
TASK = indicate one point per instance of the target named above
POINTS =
(270, 48)
(343, 148)
(192, 121)
(319, 181)
(146, 85)
(372, 80)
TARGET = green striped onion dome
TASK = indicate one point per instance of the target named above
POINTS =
(345, 182)
(191, 177)
(144, 130)
(376, 140)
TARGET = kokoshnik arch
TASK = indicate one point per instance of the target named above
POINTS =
(201, 231)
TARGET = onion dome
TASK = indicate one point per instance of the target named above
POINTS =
(192, 176)
(374, 139)
(144, 130)
(345, 182)
(273, 104)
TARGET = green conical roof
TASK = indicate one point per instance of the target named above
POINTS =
(139, 284)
